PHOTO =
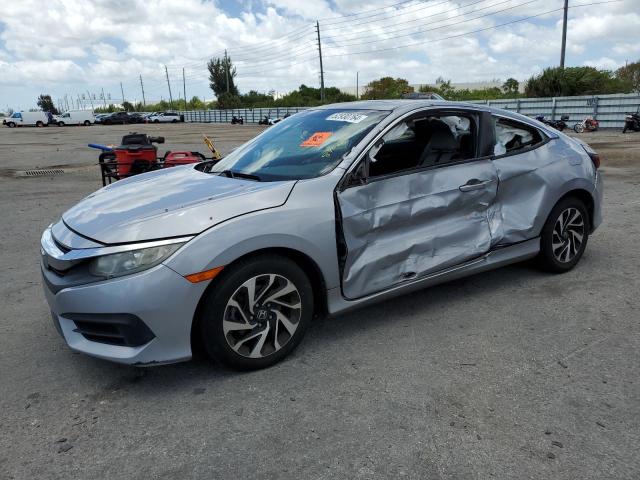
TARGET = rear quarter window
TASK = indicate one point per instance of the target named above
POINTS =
(513, 136)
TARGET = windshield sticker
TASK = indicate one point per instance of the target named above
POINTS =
(316, 139)
(350, 117)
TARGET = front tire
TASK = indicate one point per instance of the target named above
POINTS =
(11, 125)
(61, 124)
(564, 236)
(578, 128)
(257, 312)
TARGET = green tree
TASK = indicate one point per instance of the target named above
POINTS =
(195, 103)
(511, 86)
(630, 75)
(229, 100)
(46, 104)
(221, 71)
(387, 87)
(558, 82)
(128, 106)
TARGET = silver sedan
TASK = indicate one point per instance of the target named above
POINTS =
(331, 209)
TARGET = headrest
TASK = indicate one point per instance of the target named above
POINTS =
(442, 137)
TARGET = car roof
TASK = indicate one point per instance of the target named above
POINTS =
(401, 106)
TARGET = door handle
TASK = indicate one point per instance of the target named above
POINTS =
(474, 184)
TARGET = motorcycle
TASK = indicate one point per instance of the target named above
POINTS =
(237, 120)
(589, 124)
(557, 124)
(632, 122)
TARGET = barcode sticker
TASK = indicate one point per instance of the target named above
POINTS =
(350, 117)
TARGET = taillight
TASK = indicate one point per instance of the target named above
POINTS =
(595, 157)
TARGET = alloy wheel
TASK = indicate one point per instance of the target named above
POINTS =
(262, 315)
(568, 235)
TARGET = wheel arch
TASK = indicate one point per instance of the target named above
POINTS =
(308, 265)
(583, 195)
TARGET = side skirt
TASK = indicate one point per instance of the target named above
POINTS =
(500, 257)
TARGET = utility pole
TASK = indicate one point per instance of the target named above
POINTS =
(66, 102)
(357, 85)
(90, 99)
(122, 92)
(144, 102)
(321, 69)
(104, 99)
(169, 85)
(184, 90)
(564, 33)
(79, 103)
(226, 68)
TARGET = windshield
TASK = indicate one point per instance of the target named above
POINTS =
(305, 145)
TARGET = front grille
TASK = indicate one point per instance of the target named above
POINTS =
(122, 329)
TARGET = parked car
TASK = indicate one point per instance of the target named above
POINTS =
(75, 117)
(338, 207)
(122, 118)
(100, 116)
(165, 117)
(23, 119)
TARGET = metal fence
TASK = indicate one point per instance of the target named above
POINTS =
(609, 110)
(250, 115)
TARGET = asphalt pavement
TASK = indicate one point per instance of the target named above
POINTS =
(509, 374)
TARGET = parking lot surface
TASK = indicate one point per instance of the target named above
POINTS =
(510, 374)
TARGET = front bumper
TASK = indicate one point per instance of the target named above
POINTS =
(159, 297)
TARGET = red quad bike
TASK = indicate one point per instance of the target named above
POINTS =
(138, 154)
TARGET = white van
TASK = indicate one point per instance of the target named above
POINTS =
(21, 119)
(75, 117)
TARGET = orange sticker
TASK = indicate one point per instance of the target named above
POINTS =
(316, 139)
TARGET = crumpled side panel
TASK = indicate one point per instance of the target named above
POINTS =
(407, 226)
(528, 182)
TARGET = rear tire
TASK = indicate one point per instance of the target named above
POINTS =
(87, 123)
(39, 124)
(564, 236)
(247, 331)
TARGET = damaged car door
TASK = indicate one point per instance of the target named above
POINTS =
(419, 201)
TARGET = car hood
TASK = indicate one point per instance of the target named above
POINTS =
(173, 202)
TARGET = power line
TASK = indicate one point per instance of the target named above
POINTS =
(388, 29)
(471, 32)
(452, 24)
(401, 13)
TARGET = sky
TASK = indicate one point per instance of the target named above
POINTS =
(84, 47)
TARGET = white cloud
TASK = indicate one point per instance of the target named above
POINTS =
(70, 46)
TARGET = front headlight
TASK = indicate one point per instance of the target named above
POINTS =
(118, 264)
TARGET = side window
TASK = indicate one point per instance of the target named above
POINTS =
(512, 136)
(422, 142)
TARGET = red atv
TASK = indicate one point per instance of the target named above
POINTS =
(138, 154)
